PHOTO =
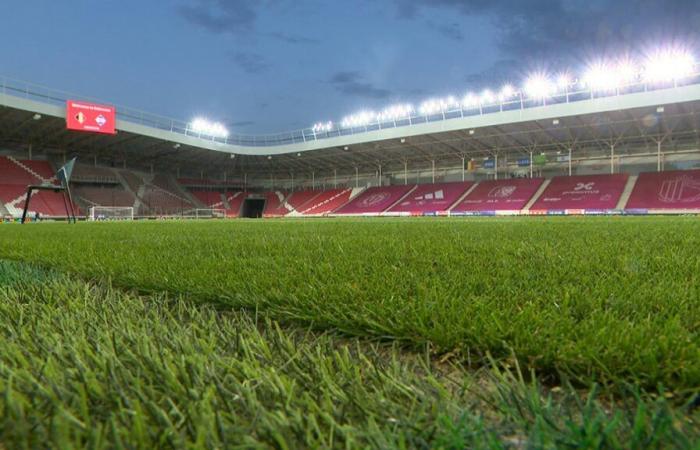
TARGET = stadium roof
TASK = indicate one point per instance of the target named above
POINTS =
(586, 121)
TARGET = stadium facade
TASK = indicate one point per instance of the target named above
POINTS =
(464, 154)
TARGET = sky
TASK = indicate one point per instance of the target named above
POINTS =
(268, 66)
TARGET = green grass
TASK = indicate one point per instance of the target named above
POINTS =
(84, 365)
(606, 300)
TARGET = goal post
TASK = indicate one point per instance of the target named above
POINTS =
(111, 213)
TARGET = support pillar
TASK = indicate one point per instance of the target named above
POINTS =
(357, 177)
(658, 156)
(495, 167)
(433, 162)
(569, 161)
(405, 172)
(30, 150)
(531, 165)
(313, 180)
(463, 162)
(612, 158)
(335, 178)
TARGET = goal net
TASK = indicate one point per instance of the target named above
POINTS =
(111, 213)
(206, 213)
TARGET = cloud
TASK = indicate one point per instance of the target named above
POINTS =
(221, 16)
(450, 30)
(565, 33)
(252, 63)
(235, 17)
(241, 124)
(353, 83)
(293, 39)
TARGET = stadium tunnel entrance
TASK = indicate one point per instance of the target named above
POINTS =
(253, 208)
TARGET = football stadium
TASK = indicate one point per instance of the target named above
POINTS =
(517, 267)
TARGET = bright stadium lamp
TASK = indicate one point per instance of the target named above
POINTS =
(539, 86)
(668, 65)
(507, 92)
(564, 81)
(487, 97)
(213, 129)
(600, 77)
(470, 101)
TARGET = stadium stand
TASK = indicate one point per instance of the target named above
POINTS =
(16, 175)
(298, 200)
(274, 204)
(375, 200)
(211, 199)
(579, 193)
(235, 201)
(429, 198)
(499, 195)
(326, 202)
(104, 196)
(672, 190)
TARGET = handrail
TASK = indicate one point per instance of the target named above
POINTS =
(36, 92)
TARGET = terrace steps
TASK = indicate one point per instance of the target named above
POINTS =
(629, 187)
(463, 196)
(537, 195)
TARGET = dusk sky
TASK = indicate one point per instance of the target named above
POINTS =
(275, 65)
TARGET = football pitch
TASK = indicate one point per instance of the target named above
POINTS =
(388, 333)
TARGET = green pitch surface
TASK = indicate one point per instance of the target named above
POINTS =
(410, 333)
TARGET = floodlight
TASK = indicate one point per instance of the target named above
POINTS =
(487, 97)
(469, 101)
(564, 80)
(668, 65)
(507, 92)
(203, 126)
(539, 86)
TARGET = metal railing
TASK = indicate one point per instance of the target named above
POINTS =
(39, 93)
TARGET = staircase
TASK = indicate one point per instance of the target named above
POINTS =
(28, 169)
(537, 195)
(629, 187)
(463, 196)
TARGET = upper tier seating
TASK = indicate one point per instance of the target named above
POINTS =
(375, 200)
(591, 192)
(436, 197)
(675, 189)
(235, 201)
(42, 168)
(104, 196)
(274, 206)
(298, 199)
(12, 173)
(500, 195)
(86, 173)
(211, 199)
(326, 202)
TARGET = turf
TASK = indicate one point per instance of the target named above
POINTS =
(84, 365)
(609, 300)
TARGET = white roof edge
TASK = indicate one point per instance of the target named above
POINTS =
(598, 105)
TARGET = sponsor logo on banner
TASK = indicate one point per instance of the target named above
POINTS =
(487, 213)
(523, 162)
(538, 212)
(374, 199)
(556, 212)
(489, 164)
(562, 158)
(575, 212)
(682, 189)
(636, 212)
(596, 212)
(91, 117)
(502, 192)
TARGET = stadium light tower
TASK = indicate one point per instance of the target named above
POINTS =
(668, 65)
(203, 126)
(539, 87)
